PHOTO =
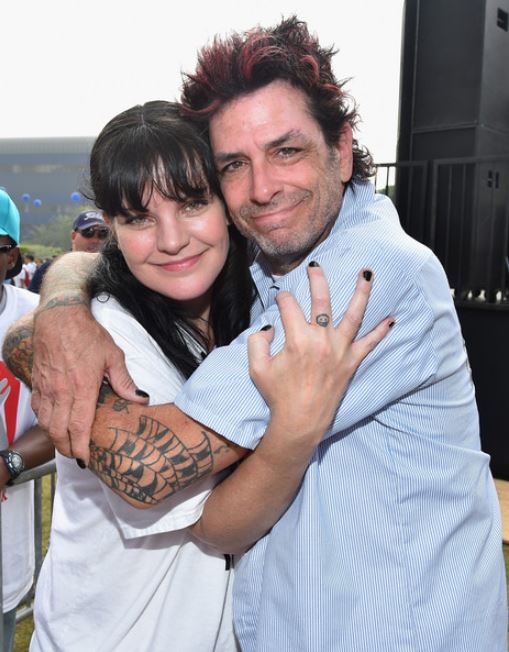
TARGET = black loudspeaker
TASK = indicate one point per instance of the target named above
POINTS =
(452, 178)
(485, 331)
(454, 95)
(454, 120)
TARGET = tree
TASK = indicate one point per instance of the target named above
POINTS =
(56, 233)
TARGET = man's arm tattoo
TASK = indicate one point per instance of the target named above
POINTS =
(18, 353)
(64, 301)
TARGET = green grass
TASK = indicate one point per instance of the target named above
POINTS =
(25, 628)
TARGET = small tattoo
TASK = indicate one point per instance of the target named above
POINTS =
(60, 302)
(105, 391)
(121, 405)
(220, 449)
(323, 320)
(18, 353)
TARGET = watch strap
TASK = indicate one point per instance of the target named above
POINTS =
(14, 464)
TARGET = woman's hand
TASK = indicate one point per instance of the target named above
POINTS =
(305, 382)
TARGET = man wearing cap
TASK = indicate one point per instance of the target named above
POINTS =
(89, 232)
(22, 443)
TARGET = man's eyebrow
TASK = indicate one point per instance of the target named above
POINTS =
(282, 140)
(224, 157)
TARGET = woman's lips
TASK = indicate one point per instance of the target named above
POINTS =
(182, 265)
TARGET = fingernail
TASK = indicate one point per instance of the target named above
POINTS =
(81, 463)
(313, 263)
(140, 392)
(367, 274)
(391, 323)
(267, 327)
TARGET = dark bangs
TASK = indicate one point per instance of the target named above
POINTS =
(150, 148)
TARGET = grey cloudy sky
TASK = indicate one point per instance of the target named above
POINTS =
(68, 66)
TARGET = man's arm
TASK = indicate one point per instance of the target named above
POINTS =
(73, 353)
(17, 350)
(134, 449)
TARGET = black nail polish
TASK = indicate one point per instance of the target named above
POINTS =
(140, 392)
(367, 274)
(267, 327)
(81, 463)
(391, 324)
(313, 263)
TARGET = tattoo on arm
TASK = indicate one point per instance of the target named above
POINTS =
(148, 464)
(59, 302)
(107, 395)
(18, 353)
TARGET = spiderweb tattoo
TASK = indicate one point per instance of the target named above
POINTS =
(150, 464)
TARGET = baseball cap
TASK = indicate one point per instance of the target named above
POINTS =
(87, 219)
(10, 226)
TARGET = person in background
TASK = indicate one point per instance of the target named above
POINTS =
(89, 233)
(22, 443)
(29, 266)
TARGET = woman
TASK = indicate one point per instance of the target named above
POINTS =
(172, 283)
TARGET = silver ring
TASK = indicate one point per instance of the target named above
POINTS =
(323, 320)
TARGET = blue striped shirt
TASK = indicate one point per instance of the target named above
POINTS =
(393, 542)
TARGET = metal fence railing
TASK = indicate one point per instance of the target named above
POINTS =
(459, 207)
(25, 609)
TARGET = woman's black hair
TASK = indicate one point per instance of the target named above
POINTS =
(152, 146)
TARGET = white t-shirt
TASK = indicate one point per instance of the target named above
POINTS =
(16, 417)
(119, 579)
(19, 279)
(30, 269)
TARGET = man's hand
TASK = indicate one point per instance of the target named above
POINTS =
(304, 383)
(72, 355)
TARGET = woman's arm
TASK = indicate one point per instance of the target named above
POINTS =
(303, 386)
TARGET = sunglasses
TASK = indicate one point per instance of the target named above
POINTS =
(92, 232)
(5, 248)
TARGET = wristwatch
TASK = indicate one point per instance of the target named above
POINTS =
(14, 464)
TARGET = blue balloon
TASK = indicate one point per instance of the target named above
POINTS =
(25, 197)
(37, 203)
(75, 196)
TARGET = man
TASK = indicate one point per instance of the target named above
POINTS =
(89, 233)
(29, 267)
(393, 540)
(22, 443)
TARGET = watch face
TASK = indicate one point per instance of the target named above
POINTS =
(17, 461)
(14, 463)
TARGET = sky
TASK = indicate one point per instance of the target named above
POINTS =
(69, 66)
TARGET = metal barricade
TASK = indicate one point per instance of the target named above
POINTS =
(25, 608)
